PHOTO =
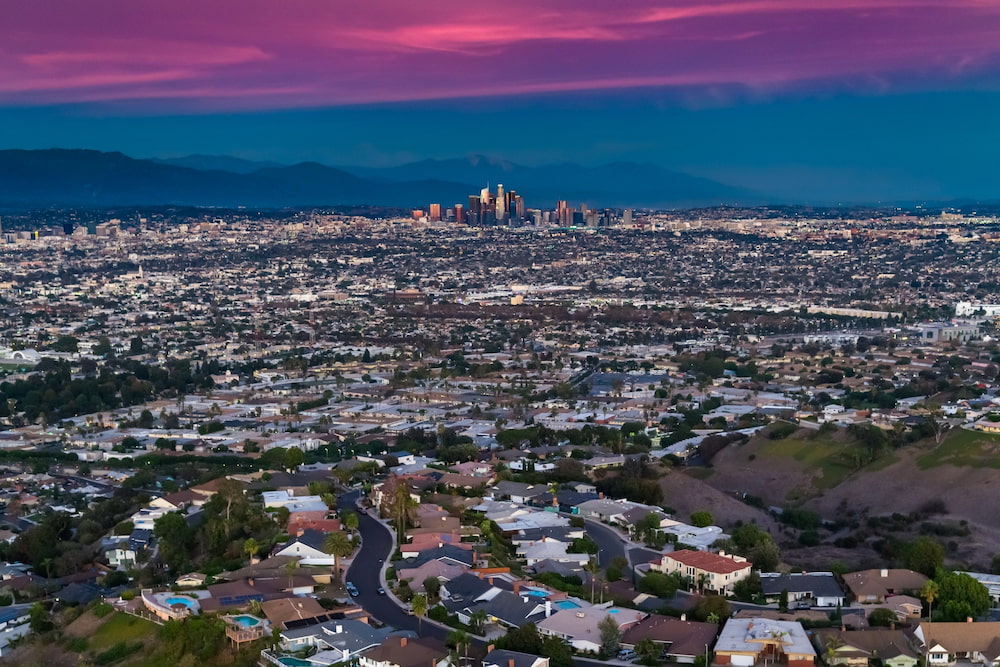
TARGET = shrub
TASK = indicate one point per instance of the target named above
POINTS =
(128, 595)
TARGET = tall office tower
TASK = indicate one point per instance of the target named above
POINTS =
(459, 214)
(474, 212)
(519, 207)
(627, 217)
(562, 213)
(435, 214)
(501, 206)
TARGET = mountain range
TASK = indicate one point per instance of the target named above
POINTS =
(71, 177)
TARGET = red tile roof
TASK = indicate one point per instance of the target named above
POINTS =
(707, 561)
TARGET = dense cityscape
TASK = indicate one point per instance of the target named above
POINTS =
(497, 433)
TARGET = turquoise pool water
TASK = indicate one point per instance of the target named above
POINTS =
(294, 662)
(187, 602)
(247, 621)
(567, 604)
(537, 594)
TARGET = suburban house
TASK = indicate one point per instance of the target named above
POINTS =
(405, 652)
(308, 548)
(579, 626)
(502, 658)
(817, 589)
(747, 641)
(679, 640)
(550, 549)
(704, 569)
(859, 648)
(869, 586)
(335, 641)
(518, 492)
(947, 643)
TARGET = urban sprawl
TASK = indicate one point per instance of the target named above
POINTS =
(489, 435)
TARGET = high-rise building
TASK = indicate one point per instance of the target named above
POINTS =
(435, 214)
(501, 206)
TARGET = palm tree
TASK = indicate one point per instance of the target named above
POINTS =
(461, 640)
(250, 547)
(401, 504)
(929, 592)
(477, 621)
(833, 644)
(339, 546)
(290, 568)
(351, 520)
(592, 568)
(419, 604)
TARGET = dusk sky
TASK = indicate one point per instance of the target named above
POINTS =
(761, 93)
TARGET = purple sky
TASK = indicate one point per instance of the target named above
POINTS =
(231, 55)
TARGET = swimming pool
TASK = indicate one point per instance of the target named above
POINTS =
(187, 602)
(567, 604)
(294, 662)
(536, 593)
(247, 621)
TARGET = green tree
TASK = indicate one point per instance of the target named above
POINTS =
(924, 555)
(338, 545)
(66, 344)
(398, 504)
(293, 458)
(648, 651)
(929, 592)
(174, 537)
(432, 586)
(611, 636)
(477, 621)
(702, 519)
(881, 617)
(351, 520)
(712, 608)
(250, 548)
(419, 606)
(961, 597)
(39, 618)
(460, 640)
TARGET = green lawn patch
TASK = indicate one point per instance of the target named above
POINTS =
(961, 447)
(118, 629)
(824, 456)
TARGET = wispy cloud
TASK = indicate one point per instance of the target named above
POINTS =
(313, 52)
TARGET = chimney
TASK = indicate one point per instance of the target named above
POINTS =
(402, 642)
(250, 581)
(968, 619)
(892, 625)
(684, 617)
(517, 587)
(340, 629)
(884, 572)
(600, 495)
(490, 648)
(548, 608)
(510, 663)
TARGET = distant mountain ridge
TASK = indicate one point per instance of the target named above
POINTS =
(94, 178)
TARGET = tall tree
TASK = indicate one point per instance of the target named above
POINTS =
(419, 604)
(338, 545)
(929, 592)
(611, 636)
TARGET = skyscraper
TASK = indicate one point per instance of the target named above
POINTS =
(459, 214)
(435, 214)
(501, 206)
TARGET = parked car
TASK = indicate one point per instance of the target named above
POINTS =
(626, 654)
(352, 590)
(381, 591)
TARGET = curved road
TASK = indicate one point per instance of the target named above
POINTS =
(377, 547)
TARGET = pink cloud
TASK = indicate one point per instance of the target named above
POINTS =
(258, 53)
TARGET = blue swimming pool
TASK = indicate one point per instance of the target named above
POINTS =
(567, 604)
(187, 602)
(294, 662)
(535, 593)
(247, 621)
